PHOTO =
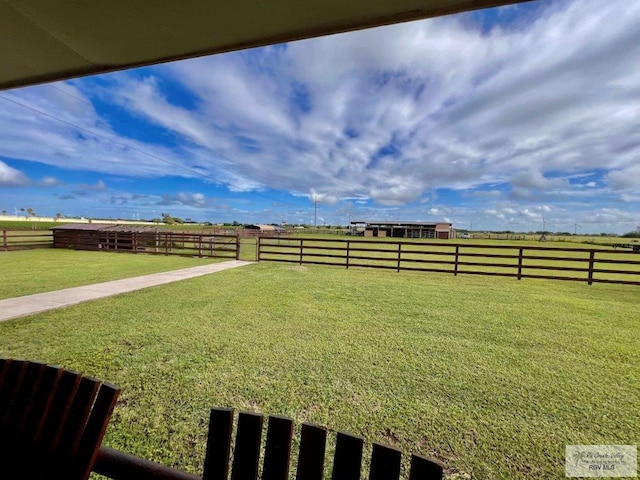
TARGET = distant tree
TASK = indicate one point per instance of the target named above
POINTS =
(31, 212)
(4, 212)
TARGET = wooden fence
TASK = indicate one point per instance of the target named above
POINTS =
(159, 243)
(163, 243)
(575, 264)
(25, 239)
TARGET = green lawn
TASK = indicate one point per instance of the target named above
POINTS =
(43, 270)
(493, 376)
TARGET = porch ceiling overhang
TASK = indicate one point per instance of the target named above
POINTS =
(48, 40)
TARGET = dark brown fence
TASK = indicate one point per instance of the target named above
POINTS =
(25, 239)
(555, 263)
(162, 243)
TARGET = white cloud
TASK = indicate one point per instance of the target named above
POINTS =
(195, 200)
(625, 179)
(50, 182)
(10, 177)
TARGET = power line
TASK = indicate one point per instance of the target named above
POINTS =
(104, 137)
(125, 145)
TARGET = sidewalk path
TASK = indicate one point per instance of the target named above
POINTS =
(41, 302)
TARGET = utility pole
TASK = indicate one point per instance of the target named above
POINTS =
(315, 211)
(575, 228)
(544, 225)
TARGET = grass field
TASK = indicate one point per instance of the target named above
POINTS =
(493, 376)
(43, 270)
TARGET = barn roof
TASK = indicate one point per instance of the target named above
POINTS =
(46, 40)
(108, 227)
(263, 227)
(399, 223)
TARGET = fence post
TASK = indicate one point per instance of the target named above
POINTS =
(399, 256)
(258, 245)
(348, 248)
(4, 240)
(455, 266)
(237, 247)
(591, 257)
(166, 243)
(520, 264)
(199, 245)
(134, 242)
(301, 247)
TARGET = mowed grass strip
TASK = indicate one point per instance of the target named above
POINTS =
(491, 375)
(43, 270)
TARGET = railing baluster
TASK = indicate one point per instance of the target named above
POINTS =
(247, 449)
(216, 462)
(347, 462)
(385, 463)
(423, 468)
(313, 442)
(278, 449)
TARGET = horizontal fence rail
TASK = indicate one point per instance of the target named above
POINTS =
(162, 243)
(25, 239)
(555, 263)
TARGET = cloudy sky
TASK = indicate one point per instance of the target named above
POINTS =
(504, 119)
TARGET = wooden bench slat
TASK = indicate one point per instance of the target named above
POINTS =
(424, 468)
(278, 448)
(10, 387)
(216, 462)
(43, 403)
(47, 441)
(347, 461)
(35, 404)
(5, 363)
(22, 400)
(77, 418)
(247, 449)
(95, 428)
(30, 430)
(52, 421)
(385, 463)
(313, 442)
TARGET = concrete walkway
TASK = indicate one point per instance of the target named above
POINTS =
(41, 302)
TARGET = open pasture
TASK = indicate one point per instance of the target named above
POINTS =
(26, 272)
(490, 375)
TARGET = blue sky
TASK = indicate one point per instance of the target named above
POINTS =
(506, 118)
